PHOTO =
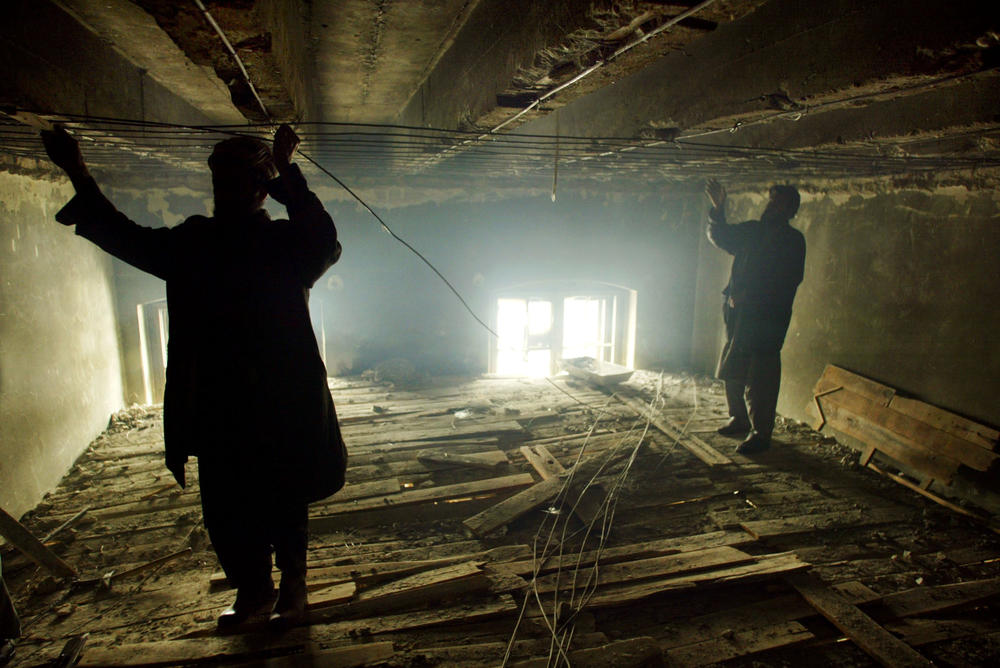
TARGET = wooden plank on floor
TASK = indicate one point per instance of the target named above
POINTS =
(429, 495)
(34, 549)
(649, 568)
(928, 600)
(351, 656)
(429, 586)
(765, 566)
(459, 460)
(819, 522)
(631, 552)
(856, 625)
(542, 460)
(632, 653)
(514, 507)
(695, 446)
(739, 643)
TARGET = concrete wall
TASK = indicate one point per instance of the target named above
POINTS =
(900, 286)
(59, 371)
(381, 302)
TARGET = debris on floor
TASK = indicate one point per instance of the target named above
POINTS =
(554, 523)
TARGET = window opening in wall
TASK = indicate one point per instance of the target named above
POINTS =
(153, 328)
(523, 347)
(540, 324)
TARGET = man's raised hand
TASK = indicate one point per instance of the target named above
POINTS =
(64, 151)
(716, 194)
(285, 143)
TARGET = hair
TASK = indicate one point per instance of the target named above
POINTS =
(789, 195)
(245, 153)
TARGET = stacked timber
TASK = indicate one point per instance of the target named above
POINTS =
(930, 444)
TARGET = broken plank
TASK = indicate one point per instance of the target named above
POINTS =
(913, 433)
(646, 569)
(379, 571)
(429, 495)
(455, 459)
(766, 566)
(934, 497)
(30, 546)
(351, 656)
(412, 591)
(631, 653)
(835, 376)
(202, 650)
(787, 526)
(513, 507)
(739, 643)
(851, 421)
(929, 600)
(856, 625)
(610, 555)
(980, 434)
(543, 461)
(698, 448)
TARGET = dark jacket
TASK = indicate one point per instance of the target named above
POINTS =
(768, 263)
(244, 376)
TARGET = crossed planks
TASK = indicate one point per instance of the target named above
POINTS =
(930, 440)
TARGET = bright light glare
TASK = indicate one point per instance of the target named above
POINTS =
(517, 319)
(539, 317)
(583, 327)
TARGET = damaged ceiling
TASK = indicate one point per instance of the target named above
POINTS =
(604, 91)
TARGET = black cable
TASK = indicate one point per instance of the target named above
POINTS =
(404, 242)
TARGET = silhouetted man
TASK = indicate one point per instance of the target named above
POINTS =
(246, 390)
(768, 262)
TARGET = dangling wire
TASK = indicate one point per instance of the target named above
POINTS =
(253, 89)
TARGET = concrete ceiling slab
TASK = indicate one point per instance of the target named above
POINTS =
(373, 54)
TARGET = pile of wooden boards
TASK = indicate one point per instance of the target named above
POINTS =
(928, 443)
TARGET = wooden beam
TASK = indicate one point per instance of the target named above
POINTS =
(34, 549)
(692, 444)
(543, 461)
(513, 507)
(856, 625)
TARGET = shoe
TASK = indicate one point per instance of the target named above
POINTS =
(290, 607)
(753, 444)
(734, 428)
(248, 603)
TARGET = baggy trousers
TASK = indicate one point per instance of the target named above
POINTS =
(759, 385)
(751, 376)
(247, 516)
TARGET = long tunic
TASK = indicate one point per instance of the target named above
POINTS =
(768, 265)
(244, 376)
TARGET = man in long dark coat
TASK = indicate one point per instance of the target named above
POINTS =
(246, 390)
(768, 263)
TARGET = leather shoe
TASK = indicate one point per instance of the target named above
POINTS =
(248, 603)
(734, 428)
(6, 651)
(290, 607)
(755, 443)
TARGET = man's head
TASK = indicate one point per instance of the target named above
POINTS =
(783, 203)
(241, 168)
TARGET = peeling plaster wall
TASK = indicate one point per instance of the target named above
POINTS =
(60, 377)
(899, 286)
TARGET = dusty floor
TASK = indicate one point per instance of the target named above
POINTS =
(700, 564)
